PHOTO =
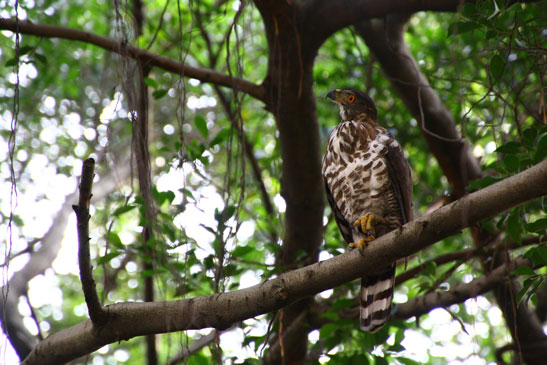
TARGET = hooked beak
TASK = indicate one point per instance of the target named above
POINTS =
(333, 95)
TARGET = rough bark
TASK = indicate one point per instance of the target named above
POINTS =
(290, 97)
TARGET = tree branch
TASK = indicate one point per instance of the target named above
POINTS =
(149, 58)
(127, 320)
(41, 259)
(96, 311)
(464, 255)
(329, 16)
(384, 37)
(424, 304)
(414, 307)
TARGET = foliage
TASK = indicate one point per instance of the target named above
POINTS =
(215, 232)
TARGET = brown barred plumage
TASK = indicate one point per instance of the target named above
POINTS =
(365, 172)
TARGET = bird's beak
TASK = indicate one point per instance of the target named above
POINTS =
(333, 95)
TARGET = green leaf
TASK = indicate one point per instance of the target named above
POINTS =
(511, 163)
(509, 147)
(524, 270)
(461, 27)
(124, 209)
(24, 50)
(484, 182)
(241, 251)
(163, 196)
(115, 240)
(220, 137)
(341, 304)
(530, 134)
(396, 347)
(380, 360)
(538, 226)
(150, 82)
(201, 126)
(523, 291)
(41, 58)
(198, 359)
(496, 67)
(491, 34)
(537, 254)
(158, 94)
(108, 257)
(187, 193)
(407, 361)
(11, 62)
(541, 150)
(327, 330)
(513, 226)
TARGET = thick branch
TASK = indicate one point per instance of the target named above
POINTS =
(330, 16)
(149, 58)
(96, 311)
(127, 320)
(327, 16)
(414, 307)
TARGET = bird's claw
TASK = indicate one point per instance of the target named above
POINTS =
(366, 225)
(362, 243)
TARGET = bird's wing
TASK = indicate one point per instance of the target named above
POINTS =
(343, 224)
(399, 175)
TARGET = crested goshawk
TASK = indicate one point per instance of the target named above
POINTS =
(369, 188)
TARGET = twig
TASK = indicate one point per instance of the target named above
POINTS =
(97, 314)
(194, 347)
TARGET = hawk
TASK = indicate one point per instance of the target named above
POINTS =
(369, 188)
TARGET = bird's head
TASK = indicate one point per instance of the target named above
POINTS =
(354, 104)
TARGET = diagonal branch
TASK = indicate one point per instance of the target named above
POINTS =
(149, 58)
(414, 307)
(129, 320)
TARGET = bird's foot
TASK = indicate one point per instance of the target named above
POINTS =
(362, 243)
(366, 225)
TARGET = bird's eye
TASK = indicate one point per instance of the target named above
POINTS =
(350, 98)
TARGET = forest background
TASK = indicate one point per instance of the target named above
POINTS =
(207, 121)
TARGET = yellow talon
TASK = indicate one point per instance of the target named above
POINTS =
(366, 224)
(361, 244)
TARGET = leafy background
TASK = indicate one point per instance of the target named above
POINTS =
(217, 231)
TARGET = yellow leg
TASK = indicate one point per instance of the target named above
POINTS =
(366, 223)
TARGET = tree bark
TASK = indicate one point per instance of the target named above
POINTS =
(289, 87)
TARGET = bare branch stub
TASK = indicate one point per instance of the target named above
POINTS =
(97, 313)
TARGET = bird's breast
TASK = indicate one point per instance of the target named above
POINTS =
(354, 167)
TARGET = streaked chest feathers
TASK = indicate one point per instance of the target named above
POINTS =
(355, 168)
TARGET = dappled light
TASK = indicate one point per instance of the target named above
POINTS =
(162, 199)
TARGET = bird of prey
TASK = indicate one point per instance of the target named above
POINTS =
(369, 188)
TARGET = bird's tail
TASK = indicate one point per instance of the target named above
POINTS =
(376, 298)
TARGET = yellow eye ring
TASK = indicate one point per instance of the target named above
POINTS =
(350, 98)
